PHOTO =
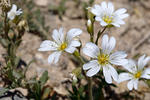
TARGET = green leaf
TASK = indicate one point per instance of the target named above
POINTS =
(16, 60)
(46, 93)
(44, 78)
(16, 74)
(2, 90)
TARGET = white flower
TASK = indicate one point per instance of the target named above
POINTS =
(107, 16)
(61, 43)
(136, 71)
(104, 58)
(13, 12)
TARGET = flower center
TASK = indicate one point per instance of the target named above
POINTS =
(107, 19)
(103, 59)
(138, 74)
(63, 46)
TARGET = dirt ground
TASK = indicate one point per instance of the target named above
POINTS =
(133, 37)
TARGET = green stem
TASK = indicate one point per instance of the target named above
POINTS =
(90, 88)
(6, 27)
(90, 79)
(91, 38)
(99, 35)
(92, 34)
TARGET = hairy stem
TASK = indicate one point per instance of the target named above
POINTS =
(99, 35)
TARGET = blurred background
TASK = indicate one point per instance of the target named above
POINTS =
(45, 15)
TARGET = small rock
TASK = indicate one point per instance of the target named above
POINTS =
(61, 90)
(41, 2)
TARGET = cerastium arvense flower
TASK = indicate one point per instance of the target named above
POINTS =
(104, 58)
(106, 15)
(136, 72)
(61, 43)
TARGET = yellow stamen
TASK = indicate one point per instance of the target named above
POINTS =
(103, 59)
(63, 46)
(107, 19)
(138, 74)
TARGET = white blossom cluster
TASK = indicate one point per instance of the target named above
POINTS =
(103, 58)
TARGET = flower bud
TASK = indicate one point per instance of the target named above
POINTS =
(90, 15)
(89, 26)
(74, 78)
(76, 73)
(22, 25)
(76, 53)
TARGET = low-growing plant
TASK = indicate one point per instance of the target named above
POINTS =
(97, 67)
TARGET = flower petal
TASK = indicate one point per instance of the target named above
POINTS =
(58, 35)
(72, 33)
(119, 21)
(93, 71)
(90, 64)
(122, 16)
(136, 84)
(72, 46)
(48, 45)
(91, 50)
(120, 11)
(102, 22)
(105, 39)
(116, 24)
(97, 18)
(104, 5)
(54, 57)
(133, 84)
(70, 49)
(113, 73)
(107, 74)
(110, 7)
(142, 62)
(130, 84)
(19, 12)
(124, 77)
(14, 8)
(146, 73)
(108, 45)
(75, 43)
(96, 10)
(131, 66)
(118, 58)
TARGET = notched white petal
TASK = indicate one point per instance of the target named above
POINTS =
(113, 73)
(130, 84)
(90, 64)
(131, 66)
(54, 57)
(72, 33)
(48, 45)
(118, 58)
(124, 77)
(142, 62)
(94, 70)
(146, 73)
(107, 74)
(96, 10)
(70, 49)
(58, 36)
(91, 50)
